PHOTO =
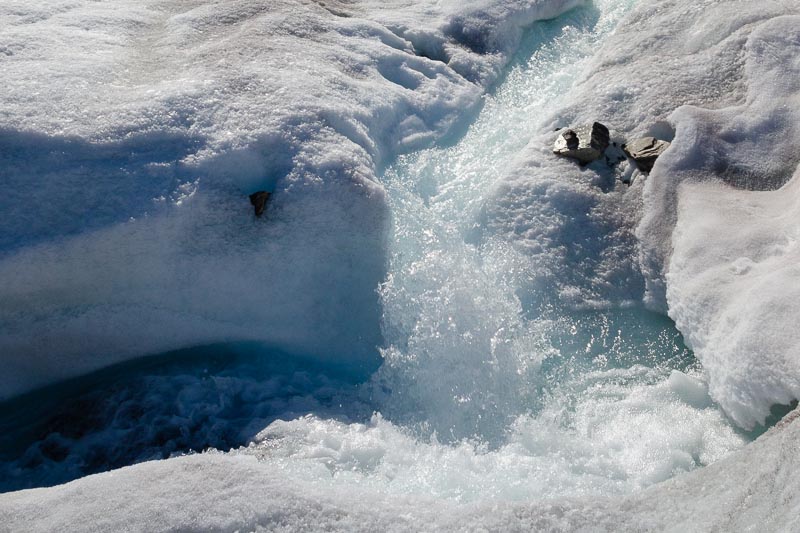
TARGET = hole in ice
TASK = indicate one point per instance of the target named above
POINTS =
(777, 413)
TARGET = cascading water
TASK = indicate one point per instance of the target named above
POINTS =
(494, 384)
(509, 371)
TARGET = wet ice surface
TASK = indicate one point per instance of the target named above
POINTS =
(512, 369)
(489, 394)
(583, 421)
(213, 397)
(516, 368)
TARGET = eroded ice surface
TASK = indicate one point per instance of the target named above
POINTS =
(131, 134)
(461, 431)
(754, 489)
(518, 363)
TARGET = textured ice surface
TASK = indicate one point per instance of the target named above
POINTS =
(321, 472)
(131, 134)
(731, 262)
(733, 286)
(219, 397)
(495, 385)
(666, 55)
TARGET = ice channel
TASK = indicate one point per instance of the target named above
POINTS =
(513, 368)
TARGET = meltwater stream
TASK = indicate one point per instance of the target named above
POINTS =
(501, 378)
(510, 372)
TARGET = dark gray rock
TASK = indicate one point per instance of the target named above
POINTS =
(645, 151)
(600, 136)
(259, 201)
(571, 139)
(586, 143)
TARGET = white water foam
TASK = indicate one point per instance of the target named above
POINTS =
(494, 385)
(621, 414)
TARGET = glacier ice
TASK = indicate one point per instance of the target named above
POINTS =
(716, 78)
(732, 276)
(175, 113)
(753, 489)
(735, 293)
(552, 404)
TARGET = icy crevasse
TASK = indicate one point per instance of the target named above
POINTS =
(131, 134)
(718, 79)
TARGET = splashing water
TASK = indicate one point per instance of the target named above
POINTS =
(492, 387)
(507, 374)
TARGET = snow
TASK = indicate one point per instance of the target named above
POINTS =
(753, 489)
(735, 293)
(174, 112)
(709, 236)
(595, 223)
(723, 88)
(732, 278)
(736, 316)
(746, 147)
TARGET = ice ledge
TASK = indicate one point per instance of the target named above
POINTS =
(132, 134)
(731, 260)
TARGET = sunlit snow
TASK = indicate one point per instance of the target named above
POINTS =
(438, 324)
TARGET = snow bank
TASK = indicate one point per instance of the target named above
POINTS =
(734, 289)
(731, 262)
(131, 134)
(719, 80)
(755, 488)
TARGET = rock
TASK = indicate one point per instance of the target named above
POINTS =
(600, 136)
(586, 143)
(571, 138)
(259, 201)
(645, 151)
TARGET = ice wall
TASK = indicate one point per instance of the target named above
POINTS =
(718, 79)
(131, 134)
(734, 288)
(731, 274)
